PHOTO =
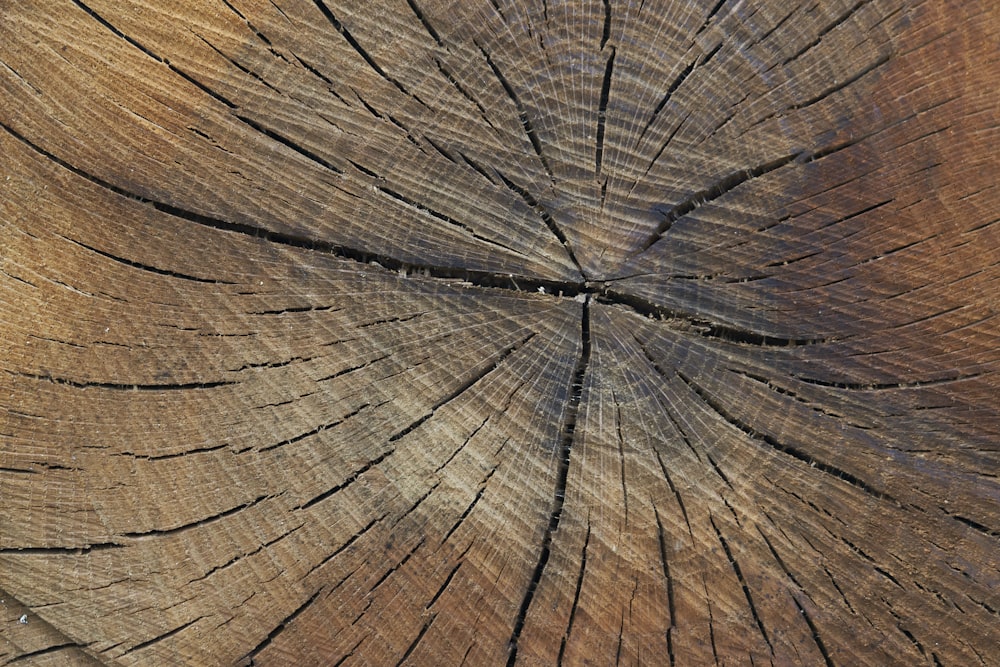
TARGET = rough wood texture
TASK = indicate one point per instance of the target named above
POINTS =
(496, 333)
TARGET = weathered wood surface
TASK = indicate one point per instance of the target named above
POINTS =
(499, 333)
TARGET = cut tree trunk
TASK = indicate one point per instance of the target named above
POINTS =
(497, 333)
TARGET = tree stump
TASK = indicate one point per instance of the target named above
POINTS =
(496, 333)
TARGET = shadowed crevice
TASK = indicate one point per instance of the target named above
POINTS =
(32, 657)
(565, 450)
(199, 522)
(350, 479)
(278, 629)
(546, 217)
(711, 193)
(425, 22)
(756, 436)
(576, 596)
(489, 367)
(124, 386)
(602, 114)
(661, 539)
(839, 20)
(420, 635)
(235, 559)
(606, 29)
(288, 143)
(362, 256)
(841, 84)
(827, 660)
(699, 325)
(146, 267)
(164, 636)
(522, 112)
(336, 23)
(55, 551)
(407, 201)
(746, 588)
(447, 74)
(677, 82)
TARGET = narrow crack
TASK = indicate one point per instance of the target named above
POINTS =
(278, 629)
(665, 565)
(794, 452)
(544, 214)
(342, 29)
(164, 636)
(602, 114)
(711, 193)
(522, 112)
(146, 267)
(706, 328)
(680, 79)
(606, 30)
(559, 495)
(576, 596)
(425, 22)
(124, 386)
(198, 523)
(57, 550)
(420, 635)
(743, 583)
(815, 632)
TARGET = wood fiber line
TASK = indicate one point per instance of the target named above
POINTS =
(488, 333)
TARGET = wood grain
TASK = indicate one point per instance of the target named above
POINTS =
(489, 333)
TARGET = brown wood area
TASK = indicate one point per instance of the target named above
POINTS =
(486, 332)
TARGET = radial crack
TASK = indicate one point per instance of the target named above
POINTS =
(412, 203)
(711, 193)
(665, 564)
(165, 635)
(467, 95)
(544, 214)
(359, 255)
(37, 657)
(342, 29)
(841, 84)
(785, 449)
(487, 368)
(602, 113)
(565, 449)
(815, 632)
(288, 143)
(746, 589)
(479, 496)
(606, 30)
(680, 79)
(52, 551)
(350, 479)
(118, 33)
(424, 22)
(826, 29)
(416, 640)
(151, 269)
(198, 523)
(522, 113)
(278, 629)
(126, 386)
(703, 327)
(576, 596)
